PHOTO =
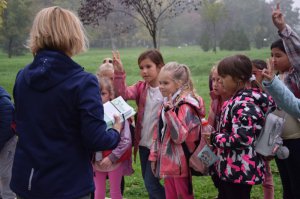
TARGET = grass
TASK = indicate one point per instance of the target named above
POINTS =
(200, 64)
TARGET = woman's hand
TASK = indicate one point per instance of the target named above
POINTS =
(117, 125)
(117, 63)
(268, 73)
(278, 18)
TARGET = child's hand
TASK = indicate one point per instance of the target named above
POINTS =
(105, 163)
(153, 168)
(169, 103)
(117, 63)
(117, 125)
(278, 18)
(268, 73)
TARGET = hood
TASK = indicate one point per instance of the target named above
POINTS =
(3, 93)
(196, 103)
(257, 97)
(48, 69)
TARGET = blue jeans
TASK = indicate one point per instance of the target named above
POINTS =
(152, 184)
(289, 170)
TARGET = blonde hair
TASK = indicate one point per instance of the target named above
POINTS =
(57, 29)
(181, 75)
(104, 67)
(105, 83)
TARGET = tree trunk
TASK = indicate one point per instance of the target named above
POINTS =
(10, 48)
(215, 39)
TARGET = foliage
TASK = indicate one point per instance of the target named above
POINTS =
(212, 12)
(235, 40)
(16, 26)
(148, 12)
(205, 42)
(3, 4)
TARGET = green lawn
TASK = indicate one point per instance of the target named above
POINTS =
(199, 62)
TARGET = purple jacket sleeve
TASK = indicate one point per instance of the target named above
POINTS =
(123, 145)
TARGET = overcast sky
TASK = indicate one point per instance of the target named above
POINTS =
(296, 2)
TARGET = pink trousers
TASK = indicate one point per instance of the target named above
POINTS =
(115, 178)
(177, 188)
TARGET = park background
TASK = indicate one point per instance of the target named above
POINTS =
(195, 37)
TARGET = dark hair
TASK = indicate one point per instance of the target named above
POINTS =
(154, 55)
(260, 64)
(278, 44)
(237, 66)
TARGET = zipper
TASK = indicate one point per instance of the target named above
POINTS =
(30, 179)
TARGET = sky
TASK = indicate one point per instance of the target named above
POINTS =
(296, 2)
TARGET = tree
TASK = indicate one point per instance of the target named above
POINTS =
(148, 12)
(235, 40)
(16, 19)
(2, 7)
(212, 12)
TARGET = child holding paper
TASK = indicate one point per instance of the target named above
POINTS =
(117, 162)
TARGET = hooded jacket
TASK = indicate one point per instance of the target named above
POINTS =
(183, 126)
(6, 118)
(241, 121)
(59, 119)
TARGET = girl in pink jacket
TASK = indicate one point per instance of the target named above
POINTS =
(177, 130)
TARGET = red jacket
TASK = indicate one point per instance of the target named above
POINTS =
(184, 126)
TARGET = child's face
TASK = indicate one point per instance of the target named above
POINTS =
(105, 95)
(229, 84)
(280, 59)
(167, 85)
(149, 71)
(258, 74)
(217, 85)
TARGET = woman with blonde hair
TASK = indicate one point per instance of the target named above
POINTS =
(59, 116)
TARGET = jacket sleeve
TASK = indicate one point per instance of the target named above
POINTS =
(93, 127)
(244, 118)
(123, 145)
(183, 123)
(6, 118)
(292, 45)
(127, 92)
(283, 97)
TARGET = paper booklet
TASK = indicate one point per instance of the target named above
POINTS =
(117, 106)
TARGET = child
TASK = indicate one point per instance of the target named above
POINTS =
(106, 69)
(8, 141)
(58, 113)
(179, 124)
(268, 187)
(148, 99)
(241, 120)
(286, 60)
(117, 162)
(218, 96)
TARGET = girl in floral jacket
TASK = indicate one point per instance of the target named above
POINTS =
(179, 126)
(241, 121)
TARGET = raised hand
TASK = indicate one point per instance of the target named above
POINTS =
(269, 72)
(117, 63)
(278, 18)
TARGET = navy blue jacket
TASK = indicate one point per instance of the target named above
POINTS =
(59, 118)
(6, 117)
